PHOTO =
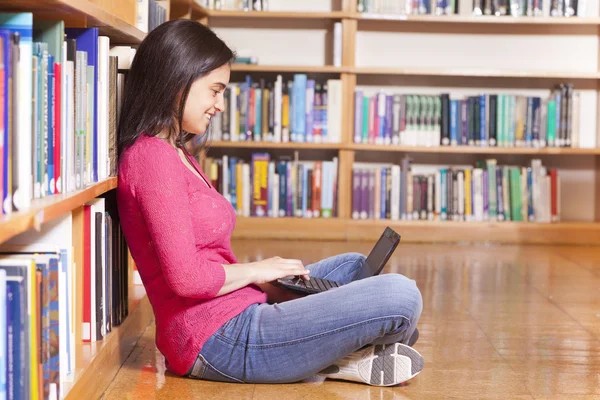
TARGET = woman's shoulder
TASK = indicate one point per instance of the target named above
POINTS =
(146, 158)
(147, 151)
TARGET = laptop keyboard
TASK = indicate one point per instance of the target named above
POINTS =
(316, 283)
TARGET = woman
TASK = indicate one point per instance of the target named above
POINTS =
(216, 318)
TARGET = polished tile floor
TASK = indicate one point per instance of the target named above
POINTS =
(499, 322)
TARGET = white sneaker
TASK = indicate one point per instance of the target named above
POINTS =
(378, 365)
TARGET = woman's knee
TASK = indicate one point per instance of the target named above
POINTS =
(401, 293)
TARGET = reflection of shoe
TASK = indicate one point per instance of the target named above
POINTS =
(413, 339)
(378, 365)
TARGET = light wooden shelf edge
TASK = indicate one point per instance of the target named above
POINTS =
(468, 19)
(550, 151)
(72, 11)
(276, 14)
(475, 73)
(48, 208)
(452, 19)
(554, 151)
(275, 145)
(98, 363)
(572, 233)
(289, 68)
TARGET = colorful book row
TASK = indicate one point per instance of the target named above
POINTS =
(495, 120)
(408, 7)
(483, 192)
(530, 8)
(61, 88)
(38, 302)
(286, 187)
(299, 110)
(237, 5)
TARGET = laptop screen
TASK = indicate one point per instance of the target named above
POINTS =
(380, 254)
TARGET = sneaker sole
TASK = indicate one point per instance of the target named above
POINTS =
(389, 365)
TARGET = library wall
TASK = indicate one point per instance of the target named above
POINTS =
(303, 43)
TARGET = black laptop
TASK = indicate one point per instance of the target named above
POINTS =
(374, 264)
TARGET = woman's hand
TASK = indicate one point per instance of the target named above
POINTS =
(274, 268)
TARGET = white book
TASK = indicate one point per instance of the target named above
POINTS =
(23, 194)
(277, 117)
(438, 193)
(70, 142)
(225, 176)
(246, 189)
(61, 184)
(234, 125)
(334, 111)
(275, 193)
(337, 44)
(124, 54)
(478, 194)
(142, 15)
(103, 111)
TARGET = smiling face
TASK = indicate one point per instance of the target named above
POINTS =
(205, 99)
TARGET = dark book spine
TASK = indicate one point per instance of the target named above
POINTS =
(492, 125)
(445, 126)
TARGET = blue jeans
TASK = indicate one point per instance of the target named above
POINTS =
(293, 340)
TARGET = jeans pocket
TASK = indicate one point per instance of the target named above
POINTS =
(203, 370)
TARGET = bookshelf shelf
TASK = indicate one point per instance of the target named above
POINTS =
(80, 13)
(476, 72)
(558, 151)
(275, 14)
(580, 233)
(107, 355)
(48, 208)
(467, 19)
(276, 145)
(289, 68)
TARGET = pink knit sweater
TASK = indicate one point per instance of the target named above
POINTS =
(178, 230)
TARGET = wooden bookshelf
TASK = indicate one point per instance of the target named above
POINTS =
(484, 19)
(80, 13)
(48, 208)
(476, 72)
(274, 145)
(556, 151)
(344, 228)
(574, 233)
(325, 69)
(275, 14)
(98, 363)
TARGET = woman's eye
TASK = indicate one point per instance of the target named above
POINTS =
(216, 92)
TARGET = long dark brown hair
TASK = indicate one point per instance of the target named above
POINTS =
(167, 62)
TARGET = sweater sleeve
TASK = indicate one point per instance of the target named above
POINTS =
(161, 193)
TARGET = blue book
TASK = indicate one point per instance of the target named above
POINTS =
(383, 193)
(233, 182)
(529, 122)
(444, 197)
(454, 122)
(16, 307)
(87, 40)
(309, 109)
(257, 113)
(482, 121)
(389, 114)
(282, 171)
(299, 106)
(3, 332)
